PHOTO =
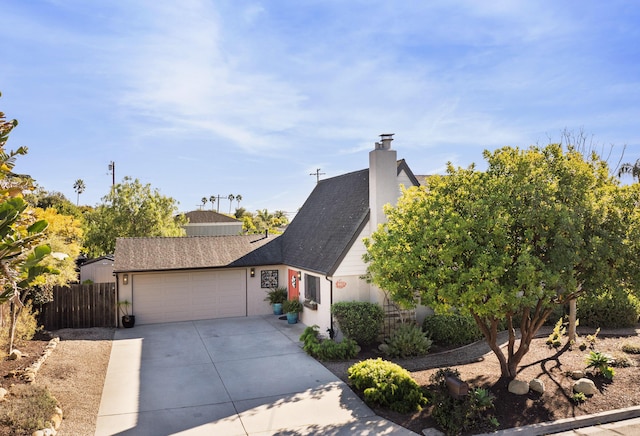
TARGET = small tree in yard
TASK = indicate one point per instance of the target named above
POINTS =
(539, 227)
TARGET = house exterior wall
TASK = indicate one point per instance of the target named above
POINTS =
(403, 180)
(321, 316)
(256, 293)
(352, 264)
(98, 272)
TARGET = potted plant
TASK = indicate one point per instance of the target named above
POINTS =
(292, 308)
(128, 320)
(275, 297)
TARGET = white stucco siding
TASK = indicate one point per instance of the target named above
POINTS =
(352, 264)
(403, 180)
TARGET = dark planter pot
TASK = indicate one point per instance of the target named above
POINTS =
(292, 317)
(277, 308)
(128, 321)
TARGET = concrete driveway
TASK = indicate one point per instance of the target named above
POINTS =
(233, 376)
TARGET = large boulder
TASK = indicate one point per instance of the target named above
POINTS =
(577, 374)
(537, 385)
(586, 386)
(518, 387)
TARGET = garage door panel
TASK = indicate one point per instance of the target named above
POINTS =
(167, 297)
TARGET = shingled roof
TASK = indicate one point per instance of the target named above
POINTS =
(208, 216)
(163, 254)
(317, 239)
(326, 226)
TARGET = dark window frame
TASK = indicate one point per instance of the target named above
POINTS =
(312, 288)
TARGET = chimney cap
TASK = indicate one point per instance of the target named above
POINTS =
(386, 141)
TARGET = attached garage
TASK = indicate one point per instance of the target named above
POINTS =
(186, 296)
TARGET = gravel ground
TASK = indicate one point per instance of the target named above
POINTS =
(74, 373)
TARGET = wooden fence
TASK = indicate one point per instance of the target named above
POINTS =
(81, 306)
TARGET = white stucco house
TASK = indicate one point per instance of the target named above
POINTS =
(318, 257)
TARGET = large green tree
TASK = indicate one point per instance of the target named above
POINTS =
(536, 229)
(131, 209)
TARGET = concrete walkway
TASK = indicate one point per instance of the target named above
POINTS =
(234, 376)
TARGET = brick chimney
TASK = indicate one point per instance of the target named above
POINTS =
(383, 179)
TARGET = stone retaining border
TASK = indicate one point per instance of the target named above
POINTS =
(29, 374)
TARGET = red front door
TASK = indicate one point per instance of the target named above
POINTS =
(294, 285)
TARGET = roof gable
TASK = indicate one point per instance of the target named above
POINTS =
(328, 221)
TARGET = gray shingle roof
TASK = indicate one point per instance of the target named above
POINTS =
(316, 240)
(157, 254)
(208, 216)
(326, 225)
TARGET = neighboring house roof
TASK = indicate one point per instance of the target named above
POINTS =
(108, 257)
(423, 179)
(179, 253)
(208, 216)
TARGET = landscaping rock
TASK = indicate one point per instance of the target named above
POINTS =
(518, 387)
(15, 355)
(432, 432)
(577, 375)
(586, 386)
(537, 385)
(3, 392)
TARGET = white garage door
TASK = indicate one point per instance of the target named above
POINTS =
(186, 296)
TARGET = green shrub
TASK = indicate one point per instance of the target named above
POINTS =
(601, 362)
(578, 397)
(386, 384)
(359, 320)
(455, 416)
(26, 327)
(30, 408)
(327, 349)
(609, 309)
(453, 329)
(559, 331)
(407, 340)
(630, 348)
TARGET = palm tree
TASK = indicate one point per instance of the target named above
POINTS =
(238, 199)
(212, 199)
(79, 187)
(629, 168)
(231, 197)
(204, 201)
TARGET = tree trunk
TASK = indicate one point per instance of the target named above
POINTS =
(572, 320)
(528, 328)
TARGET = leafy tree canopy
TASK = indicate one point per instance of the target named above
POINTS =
(535, 229)
(65, 236)
(131, 209)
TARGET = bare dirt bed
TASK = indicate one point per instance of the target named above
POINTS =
(74, 373)
(550, 365)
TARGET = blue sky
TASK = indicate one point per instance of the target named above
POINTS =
(202, 98)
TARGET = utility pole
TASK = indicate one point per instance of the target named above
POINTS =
(112, 168)
(317, 174)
